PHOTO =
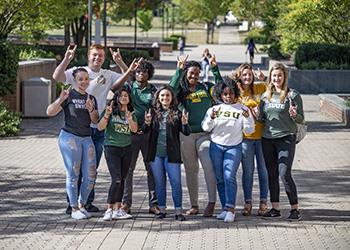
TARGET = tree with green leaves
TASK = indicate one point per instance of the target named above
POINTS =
(321, 21)
(203, 11)
(144, 20)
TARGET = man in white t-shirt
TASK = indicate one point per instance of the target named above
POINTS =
(101, 82)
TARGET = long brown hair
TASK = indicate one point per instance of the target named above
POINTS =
(173, 111)
(271, 88)
(237, 75)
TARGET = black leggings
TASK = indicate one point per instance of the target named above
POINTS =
(118, 162)
(279, 155)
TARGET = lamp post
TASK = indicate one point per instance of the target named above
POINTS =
(105, 24)
(89, 23)
(135, 27)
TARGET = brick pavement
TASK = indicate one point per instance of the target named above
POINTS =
(32, 199)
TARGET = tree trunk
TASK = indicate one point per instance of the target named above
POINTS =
(66, 35)
(208, 32)
(212, 32)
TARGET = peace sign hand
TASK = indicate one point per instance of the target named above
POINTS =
(148, 117)
(65, 93)
(259, 74)
(215, 113)
(89, 104)
(109, 109)
(181, 60)
(128, 115)
(70, 53)
(135, 64)
(184, 118)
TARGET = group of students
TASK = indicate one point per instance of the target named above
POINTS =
(216, 125)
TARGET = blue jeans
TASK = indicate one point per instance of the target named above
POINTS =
(251, 148)
(161, 167)
(98, 138)
(226, 161)
(78, 154)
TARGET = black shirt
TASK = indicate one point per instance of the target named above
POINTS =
(76, 116)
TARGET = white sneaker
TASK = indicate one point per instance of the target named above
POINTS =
(230, 217)
(84, 211)
(120, 214)
(222, 215)
(108, 215)
(78, 215)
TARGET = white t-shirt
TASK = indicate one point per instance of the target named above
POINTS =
(100, 84)
(227, 129)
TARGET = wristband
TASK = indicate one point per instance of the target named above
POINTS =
(92, 110)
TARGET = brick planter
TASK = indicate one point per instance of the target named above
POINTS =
(334, 106)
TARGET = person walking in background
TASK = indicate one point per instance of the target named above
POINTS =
(250, 93)
(205, 64)
(181, 46)
(281, 108)
(77, 148)
(251, 48)
(118, 121)
(165, 123)
(226, 123)
(101, 81)
(195, 97)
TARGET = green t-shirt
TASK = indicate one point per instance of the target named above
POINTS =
(275, 115)
(117, 132)
(161, 143)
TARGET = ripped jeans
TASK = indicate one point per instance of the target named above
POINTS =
(279, 156)
(78, 153)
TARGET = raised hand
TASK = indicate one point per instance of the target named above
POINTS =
(181, 60)
(135, 64)
(65, 93)
(70, 53)
(212, 61)
(215, 113)
(116, 55)
(184, 118)
(89, 104)
(129, 114)
(245, 112)
(109, 108)
(148, 117)
(259, 74)
(255, 111)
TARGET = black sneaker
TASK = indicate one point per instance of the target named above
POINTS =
(91, 208)
(294, 215)
(273, 213)
(180, 217)
(69, 210)
(160, 215)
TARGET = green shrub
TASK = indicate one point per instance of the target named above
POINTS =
(257, 35)
(347, 102)
(274, 51)
(9, 121)
(32, 53)
(177, 37)
(173, 40)
(8, 67)
(327, 56)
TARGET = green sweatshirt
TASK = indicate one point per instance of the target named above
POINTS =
(198, 102)
(275, 115)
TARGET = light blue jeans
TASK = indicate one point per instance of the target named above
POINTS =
(252, 149)
(226, 161)
(78, 153)
(161, 167)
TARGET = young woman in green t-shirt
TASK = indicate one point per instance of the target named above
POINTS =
(119, 121)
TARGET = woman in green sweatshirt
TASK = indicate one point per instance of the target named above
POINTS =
(281, 108)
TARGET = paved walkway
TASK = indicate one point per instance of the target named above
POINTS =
(32, 197)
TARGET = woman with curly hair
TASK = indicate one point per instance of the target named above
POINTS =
(165, 123)
(119, 121)
(226, 123)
